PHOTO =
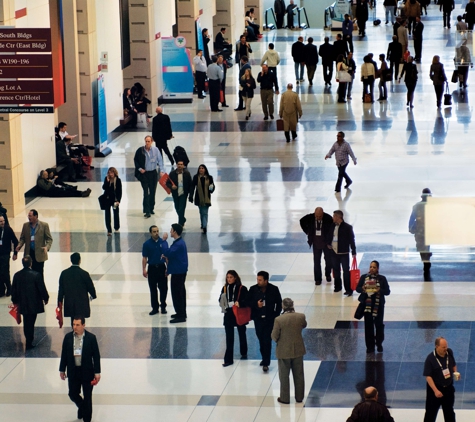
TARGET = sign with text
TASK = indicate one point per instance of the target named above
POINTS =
(26, 92)
(25, 66)
(32, 40)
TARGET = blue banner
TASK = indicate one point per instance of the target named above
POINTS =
(102, 112)
(177, 72)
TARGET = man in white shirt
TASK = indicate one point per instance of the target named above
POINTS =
(200, 73)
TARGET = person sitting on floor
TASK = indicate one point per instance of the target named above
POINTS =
(47, 187)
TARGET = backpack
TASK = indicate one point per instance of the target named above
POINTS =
(179, 154)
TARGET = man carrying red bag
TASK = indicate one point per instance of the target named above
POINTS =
(340, 239)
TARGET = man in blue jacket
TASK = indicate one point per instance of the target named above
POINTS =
(177, 266)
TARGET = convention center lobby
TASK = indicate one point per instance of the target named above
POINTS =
(153, 370)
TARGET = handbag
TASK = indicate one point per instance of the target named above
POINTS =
(280, 124)
(142, 121)
(163, 183)
(388, 75)
(344, 76)
(367, 98)
(359, 313)
(59, 314)
(243, 315)
(455, 76)
(103, 201)
(354, 274)
(15, 312)
(447, 96)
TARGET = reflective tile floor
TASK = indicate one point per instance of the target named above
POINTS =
(156, 371)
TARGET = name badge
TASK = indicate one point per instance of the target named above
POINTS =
(318, 233)
(77, 352)
(231, 304)
(446, 373)
(335, 238)
(32, 238)
(264, 302)
(1, 242)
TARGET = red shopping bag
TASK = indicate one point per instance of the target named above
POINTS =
(15, 312)
(163, 183)
(355, 274)
(59, 315)
(221, 96)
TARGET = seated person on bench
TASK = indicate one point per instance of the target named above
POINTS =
(220, 43)
(48, 187)
(71, 166)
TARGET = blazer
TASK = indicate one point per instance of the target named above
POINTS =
(287, 333)
(247, 91)
(29, 292)
(298, 52)
(90, 359)
(42, 238)
(326, 52)
(74, 286)
(311, 55)
(173, 176)
(273, 300)
(9, 239)
(346, 238)
(308, 225)
(383, 284)
(161, 128)
(113, 193)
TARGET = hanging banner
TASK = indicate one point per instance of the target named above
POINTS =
(102, 112)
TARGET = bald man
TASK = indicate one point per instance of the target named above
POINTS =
(316, 227)
(370, 410)
(162, 133)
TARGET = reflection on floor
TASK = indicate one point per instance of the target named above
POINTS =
(155, 371)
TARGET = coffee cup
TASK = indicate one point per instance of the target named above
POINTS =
(456, 376)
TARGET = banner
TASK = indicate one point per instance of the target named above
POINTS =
(177, 73)
(102, 112)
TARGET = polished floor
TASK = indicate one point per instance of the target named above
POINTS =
(153, 370)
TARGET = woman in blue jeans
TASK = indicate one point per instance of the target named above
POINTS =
(201, 189)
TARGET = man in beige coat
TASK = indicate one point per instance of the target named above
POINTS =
(36, 237)
(287, 333)
(290, 111)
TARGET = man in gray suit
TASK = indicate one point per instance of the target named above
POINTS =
(287, 333)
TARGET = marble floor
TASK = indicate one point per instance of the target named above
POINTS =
(152, 370)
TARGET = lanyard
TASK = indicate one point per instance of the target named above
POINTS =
(447, 361)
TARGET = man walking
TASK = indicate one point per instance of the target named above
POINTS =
(446, 6)
(370, 409)
(417, 36)
(76, 289)
(177, 267)
(272, 58)
(417, 228)
(290, 111)
(327, 53)
(179, 182)
(266, 304)
(244, 65)
(215, 77)
(200, 73)
(268, 81)
(340, 46)
(8, 242)
(81, 364)
(394, 56)
(36, 237)
(287, 333)
(147, 160)
(162, 133)
(311, 59)
(340, 239)
(347, 29)
(316, 226)
(152, 254)
(342, 150)
(298, 54)
(440, 370)
(30, 294)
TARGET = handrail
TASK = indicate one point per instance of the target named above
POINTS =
(306, 25)
(266, 24)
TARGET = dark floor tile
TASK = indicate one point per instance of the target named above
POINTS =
(208, 400)
(324, 344)
(410, 389)
(320, 384)
(446, 325)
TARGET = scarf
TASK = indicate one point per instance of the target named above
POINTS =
(203, 194)
(370, 306)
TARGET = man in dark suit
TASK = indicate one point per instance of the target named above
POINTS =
(74, 286)
(311, 59)
(81, 361)
(394, 56)
(340, 47)
(266, 303)
(417, 36)
(220, 43)
(8, 241)
(340, 239)
(63, 159)
(36, 237)
(280, 11)
(244, 65)
(316, 226)
(326, 52)
(29, 293)
(180, 188)
(162, 133)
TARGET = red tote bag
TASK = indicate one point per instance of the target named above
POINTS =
(59, 314)
(355, 274)
(163, 183)
(243, 315)
(15, 312)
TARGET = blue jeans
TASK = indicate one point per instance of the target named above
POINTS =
(390, 12)
(297, 65)
(204, 216)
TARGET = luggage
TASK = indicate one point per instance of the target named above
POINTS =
(280, 124)
(179, 154)
(377, 22)
(455, 76)
(447, 96)
(367, 98)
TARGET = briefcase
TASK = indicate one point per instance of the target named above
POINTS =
(163, 183)
(280, 124)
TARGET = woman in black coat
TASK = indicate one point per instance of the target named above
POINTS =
(247, 86)
(233, 294)
(202, 187)
(410, 70)
(373, 287)
(129, 106)
(437, 75)
(113, 191)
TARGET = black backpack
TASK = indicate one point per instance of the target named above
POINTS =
(179, 154)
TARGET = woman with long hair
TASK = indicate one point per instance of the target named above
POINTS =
(113, 191)
(202, 187)
(247, 87)
(233, 293)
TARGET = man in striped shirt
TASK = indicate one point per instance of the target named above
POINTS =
(342, 150)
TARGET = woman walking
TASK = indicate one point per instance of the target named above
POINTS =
(437, 75)
(202, 187)
(233, 293)
(247, 87)
(113, 192)
(343, 78)
(410, 70)
(373, 288)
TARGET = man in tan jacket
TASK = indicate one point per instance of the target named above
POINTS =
(36, 237)
(290, 111)
(287, 333)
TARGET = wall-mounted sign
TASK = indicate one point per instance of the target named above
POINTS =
(25, 66)
(32, 40)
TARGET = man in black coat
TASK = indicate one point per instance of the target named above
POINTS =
(316, 226)
(340, 47)
(417, 37)
(81, 361)
(370, 409)
(298, 54)
(162, 133)
(340, 239)
(266, 303)
(446, 7)
(180, 188)
(74, 286)
(7, 240)
(311, 59)
(279, 9)
(394, 56)
(326, 52)
(29, 293)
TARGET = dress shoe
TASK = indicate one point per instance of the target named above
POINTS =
(337, 290)
(177, 320)
(147, 215)
(239, 109)
(348, 185)
(153, 312)
(281, 401)
(261, 363)
(272, 117)
(201, 97)
(379, 348)
(244, 357)
(317, 283)
(178, 316)
(265, 368)
(328, 278)
(266, 118)
(337, 191)
(224, 105)
(29, 347)
(227, 364)
(348, 294)
(247, 117)
(164, 311)
(205, 230)
(80, 413)
(152, 212)
(298, 401)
